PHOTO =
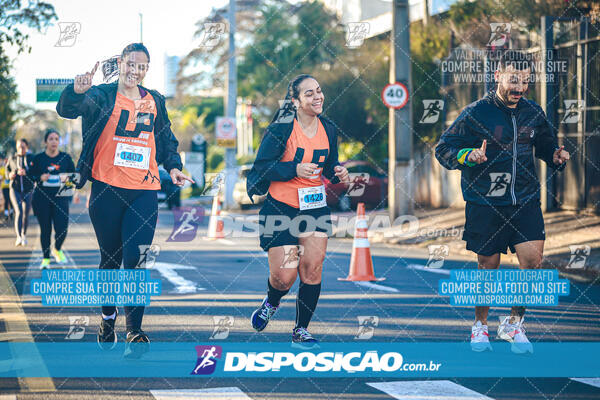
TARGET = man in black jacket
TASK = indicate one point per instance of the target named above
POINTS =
(492, 142)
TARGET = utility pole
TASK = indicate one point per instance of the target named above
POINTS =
(401, 164)
(231, 103)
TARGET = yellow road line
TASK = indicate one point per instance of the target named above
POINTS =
(16, 324)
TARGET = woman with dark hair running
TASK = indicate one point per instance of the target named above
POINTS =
(21, 187)
(49, 208)
(126, 135)
(298, 147)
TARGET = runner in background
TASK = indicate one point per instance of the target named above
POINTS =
(298, 147)
(126, 135)
(21, 187)
(5, 185)
(50, 209)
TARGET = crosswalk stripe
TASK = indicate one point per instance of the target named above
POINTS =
(222, 393)
(428, 390)
(588, 381)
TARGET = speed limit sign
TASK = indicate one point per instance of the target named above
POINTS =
(395, 95)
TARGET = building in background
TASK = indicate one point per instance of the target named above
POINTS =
(378, 13)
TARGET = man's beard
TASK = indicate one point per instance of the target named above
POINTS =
(504, 93)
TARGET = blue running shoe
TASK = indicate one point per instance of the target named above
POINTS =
(260, 318)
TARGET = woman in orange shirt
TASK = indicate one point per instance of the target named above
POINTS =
(299, 146)
(126, 135)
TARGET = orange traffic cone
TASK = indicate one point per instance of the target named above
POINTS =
(361, 263)
(216, 225)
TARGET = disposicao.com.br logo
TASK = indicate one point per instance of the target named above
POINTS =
(326, 361)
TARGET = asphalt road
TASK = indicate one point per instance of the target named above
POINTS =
(206, 281)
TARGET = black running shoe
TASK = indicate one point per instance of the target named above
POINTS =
(260, 318)
(302, 339)
(107, 338)
(136, 344)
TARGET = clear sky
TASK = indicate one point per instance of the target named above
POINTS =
(106, 27)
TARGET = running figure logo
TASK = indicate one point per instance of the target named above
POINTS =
(573, 111)
(437, 255)
(186, 221)
(68, 34)
(500, 33)
(77, 327)
(358, 184)
(207, 359)
(432, 111)
(148, 254)
(499, 184)
(213, 31)
(291, 256)
(68, 181)
(285, 114)
(223, 323)
(356, 34)
(366, 326)
(110, 69)
(579, 254)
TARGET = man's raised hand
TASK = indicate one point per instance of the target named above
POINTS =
(478, 155)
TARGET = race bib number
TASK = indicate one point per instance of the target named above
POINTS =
(52, 181)
(131, 156)
(312, 197)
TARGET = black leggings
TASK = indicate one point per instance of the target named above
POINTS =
(124, 221)
(51, 210)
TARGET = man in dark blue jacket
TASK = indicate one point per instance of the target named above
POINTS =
(492, 142)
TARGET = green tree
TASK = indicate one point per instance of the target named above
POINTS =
(13, 17)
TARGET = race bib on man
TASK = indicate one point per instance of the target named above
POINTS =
(131, 156)
(312, 197)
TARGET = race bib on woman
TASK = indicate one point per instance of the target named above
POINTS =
(131, 156)
(312, 197)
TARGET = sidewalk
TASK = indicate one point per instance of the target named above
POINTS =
(563, 229)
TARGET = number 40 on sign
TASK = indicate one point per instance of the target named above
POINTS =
(395, 95)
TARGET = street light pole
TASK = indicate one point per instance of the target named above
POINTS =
(230, 162)
(401, 164)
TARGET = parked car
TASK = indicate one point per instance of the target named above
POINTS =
(369, 186)
(169, 192)
(240, 196)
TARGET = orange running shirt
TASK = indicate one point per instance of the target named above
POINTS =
(124, 155)
(304, 150)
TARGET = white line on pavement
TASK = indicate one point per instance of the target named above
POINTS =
(423, 268)
(377, 286)
(588, 381)
(223, 393)
(428, 390)
(182, 285)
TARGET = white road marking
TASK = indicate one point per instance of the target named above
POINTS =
(423, 268)
(428, 390)
(223, 393)
(588, 381)
(376, 286)
(182, 285)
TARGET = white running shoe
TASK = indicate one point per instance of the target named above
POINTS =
(23, 241)
(18, 241)
(515, 334)
(480, 340)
